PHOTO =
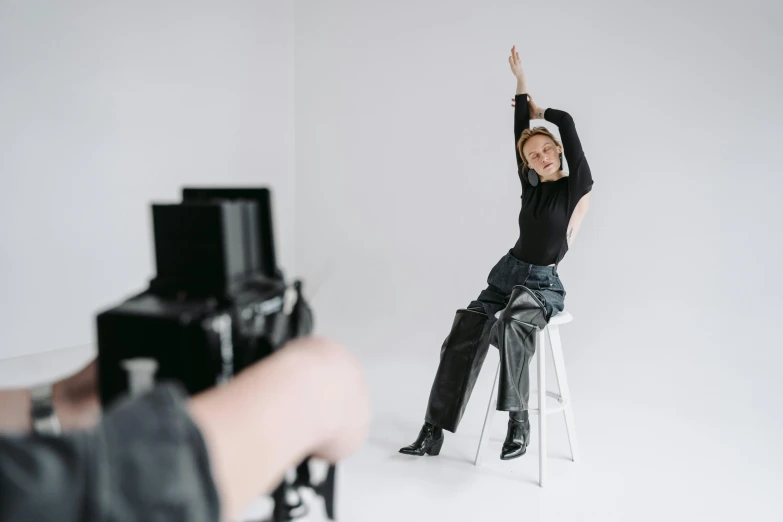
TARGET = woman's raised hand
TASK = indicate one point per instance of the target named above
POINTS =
(516, 65)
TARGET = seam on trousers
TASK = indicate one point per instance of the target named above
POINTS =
(527, 364)
(466, 377)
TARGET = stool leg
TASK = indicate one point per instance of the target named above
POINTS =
(540, 353)
(565, 392)
(485, 431)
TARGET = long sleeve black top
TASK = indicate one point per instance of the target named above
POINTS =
(547, 207)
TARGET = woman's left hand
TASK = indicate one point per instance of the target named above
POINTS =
(532, 108)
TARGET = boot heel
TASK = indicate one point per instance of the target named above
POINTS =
(434, 450)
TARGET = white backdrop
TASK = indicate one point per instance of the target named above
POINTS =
(107, 107)
(386, 132)
(408, 194)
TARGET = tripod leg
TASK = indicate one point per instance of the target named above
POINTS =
(327, 491)
(303, 474)
(280, 513)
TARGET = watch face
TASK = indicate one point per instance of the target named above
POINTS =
(41, 393)
(47, 425)
(532, 177)
(42, 411)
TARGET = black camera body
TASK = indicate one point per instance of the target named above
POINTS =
(198, 341)
(217, 304)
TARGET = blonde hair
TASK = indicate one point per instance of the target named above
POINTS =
(529, 133)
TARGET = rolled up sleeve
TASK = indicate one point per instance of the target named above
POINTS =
(146, 460)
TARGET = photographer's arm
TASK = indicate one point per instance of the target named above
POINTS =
(15, 411)
(144, 460)
(75, 401)
(310, 398)
(163, 455)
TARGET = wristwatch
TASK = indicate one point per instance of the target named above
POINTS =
(45, 419)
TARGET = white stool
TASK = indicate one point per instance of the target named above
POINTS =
(553, 333)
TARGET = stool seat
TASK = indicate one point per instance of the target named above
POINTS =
(556, 320)
(560, 318)
(550, 333)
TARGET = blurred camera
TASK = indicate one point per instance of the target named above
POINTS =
(217, 304)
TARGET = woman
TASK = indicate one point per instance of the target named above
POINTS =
(523, 286)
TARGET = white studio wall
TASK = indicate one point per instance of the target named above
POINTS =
(105, 108)
(385, 130)
(407, 186)
(408, 194)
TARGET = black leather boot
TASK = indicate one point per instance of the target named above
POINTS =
(517, 437)
(430, 441)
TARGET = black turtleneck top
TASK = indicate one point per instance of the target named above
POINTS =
(548, 206)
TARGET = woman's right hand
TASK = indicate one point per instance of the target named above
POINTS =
(516, 65)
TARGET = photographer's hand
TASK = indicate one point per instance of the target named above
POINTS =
(309, 398)
(75, 401)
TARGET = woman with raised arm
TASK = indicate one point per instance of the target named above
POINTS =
(523, 286)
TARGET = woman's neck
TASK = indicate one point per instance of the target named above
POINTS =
(560, 174)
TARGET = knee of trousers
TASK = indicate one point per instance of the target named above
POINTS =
(514, 335)
(525, 305)
(479, 310)
(469, 325)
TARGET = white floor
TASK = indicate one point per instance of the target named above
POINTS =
(638, 462)
(663, 436)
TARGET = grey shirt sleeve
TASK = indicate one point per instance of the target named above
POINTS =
(145, 461)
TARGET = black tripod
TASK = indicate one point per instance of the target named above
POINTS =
(301, 324)
(285, 511)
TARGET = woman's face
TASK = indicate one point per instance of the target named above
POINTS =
(542, 154)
